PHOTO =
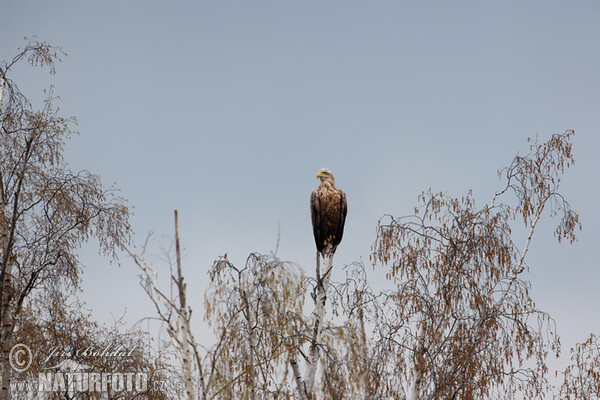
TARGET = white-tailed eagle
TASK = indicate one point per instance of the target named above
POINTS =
(328, 210)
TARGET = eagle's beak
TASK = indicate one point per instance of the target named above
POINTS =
(319, 174)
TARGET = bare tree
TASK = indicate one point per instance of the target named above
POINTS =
(46, 211)
(173, 311)
(255, 313)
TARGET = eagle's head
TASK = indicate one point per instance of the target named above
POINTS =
(326, 175)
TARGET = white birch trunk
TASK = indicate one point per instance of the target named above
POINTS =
(418, 367)
(250, 332)
(184, 323)
(364, 353)
(318, 316)
(415, 382)
(1, 92)
(298, 377)
(6, 315)
(6, 330)
(179, 330)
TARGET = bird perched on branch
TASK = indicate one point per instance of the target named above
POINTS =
(328, 210)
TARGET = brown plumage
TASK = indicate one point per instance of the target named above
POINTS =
(328, 210)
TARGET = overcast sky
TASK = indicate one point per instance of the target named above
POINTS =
(226, 110)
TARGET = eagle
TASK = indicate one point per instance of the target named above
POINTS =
(328, 210)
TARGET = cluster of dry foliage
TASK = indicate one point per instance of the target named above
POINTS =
(457, 321)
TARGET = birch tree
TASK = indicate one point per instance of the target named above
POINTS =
(46, 210)
(466, 326)
(174, 313)
(264, 339)
(256, 314)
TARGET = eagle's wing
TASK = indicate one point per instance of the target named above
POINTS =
(315, 216)
(343, 212)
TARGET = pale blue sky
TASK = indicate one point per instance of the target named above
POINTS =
(226, 110)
